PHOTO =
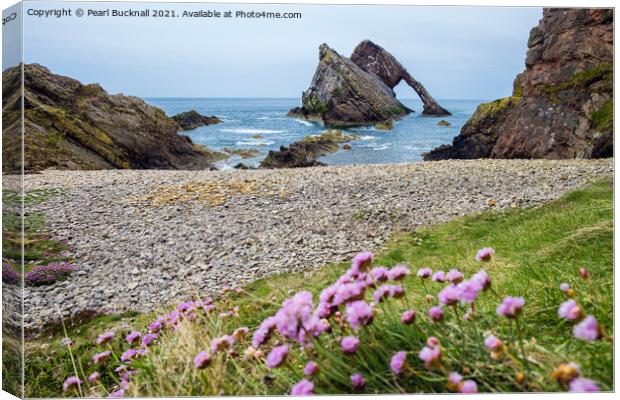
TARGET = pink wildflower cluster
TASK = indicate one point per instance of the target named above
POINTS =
(48, 274)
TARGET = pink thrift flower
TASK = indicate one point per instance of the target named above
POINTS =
(350, 344)
(439, 276)
(432, 341)
(70, 383)
(468, 291)
(132, 337)
(261, 335)
(587, 329)
(277, 356)
(303, 388)
(148, 339)
(311, 368)
(117, 394)
(94, 377)
(398, 362)
(358, 314)
(362, 261)
(569, 310)
(483, 279)
(436, 314)
(584, 273)
(380, 274)
(455, 379)
(449, 295)
(484, 254)
(240, 333)
(431, 356)
(582, 385)
(511, 307)
(408, 317)
(357, 381)
(424, 273)
(564, 287)
(469, 386)
(202, 360)
(105, 337)
(492, 342)
(101, 357)
(454, 275)
(398, 273)
(222, 343)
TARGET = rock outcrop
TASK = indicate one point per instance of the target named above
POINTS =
(189, 120)
(69, 125)
(358, 91)
(375, 60)
(304, 152)
(561, 105)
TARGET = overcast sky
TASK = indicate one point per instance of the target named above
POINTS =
(456, 52)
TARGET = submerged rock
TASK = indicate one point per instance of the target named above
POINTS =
(304, 152)
(243, 153)
(69, 125)
(189, 120)
(562, 104)
(443, 122)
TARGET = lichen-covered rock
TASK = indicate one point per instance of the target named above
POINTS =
(562, 104)
(189, 120)
(342, 94)
(69, 125)
(304, 152)
(376, 60)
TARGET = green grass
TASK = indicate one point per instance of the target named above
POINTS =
(536, 249)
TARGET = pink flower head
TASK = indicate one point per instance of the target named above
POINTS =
(131, 354)
(431, 356)
(117, 394)
(311, 368)
(468, 291)
(105, 337)
(358, 314)
(483, 279)
(380, 274)
(362, 261)
(222, 343)
(424, 273)
(454, 276)
(303, 388)
(398, 362)
(148, 339)
(202, 360)
(408, 317)
(432, 341)
(454, 378)
(398, 272)
(132, 337)
(388, 291)
(587, 329)
(511, 307)
(492, 342)
(155, 327)
(350, 344)
(569, 310)
(240, 333)
(484, 254)
(582, 385)
(277, 356)
(70, 383)
(101, 357)
(439, 276)
(564, 287)
(469, 386)
(584, 273)
(449, 295)
(436, 313)
(94, 377)
(261, 335)
(357, 381)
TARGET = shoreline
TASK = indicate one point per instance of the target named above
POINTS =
(144, 238)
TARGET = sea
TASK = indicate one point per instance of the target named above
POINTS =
(261, 124)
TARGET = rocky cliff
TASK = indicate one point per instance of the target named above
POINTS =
(358, 91)
(561, 105)
(375, 60)
(69, 125)
(189, 120)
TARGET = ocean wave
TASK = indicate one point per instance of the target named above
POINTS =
(251, 131)
(382, 147)
(254, 143)
(417, 148)
(367, 137)
(301, 121)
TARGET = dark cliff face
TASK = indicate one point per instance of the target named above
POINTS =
(189, 120)
(69, 125)
(562, 104)
(358, 91)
